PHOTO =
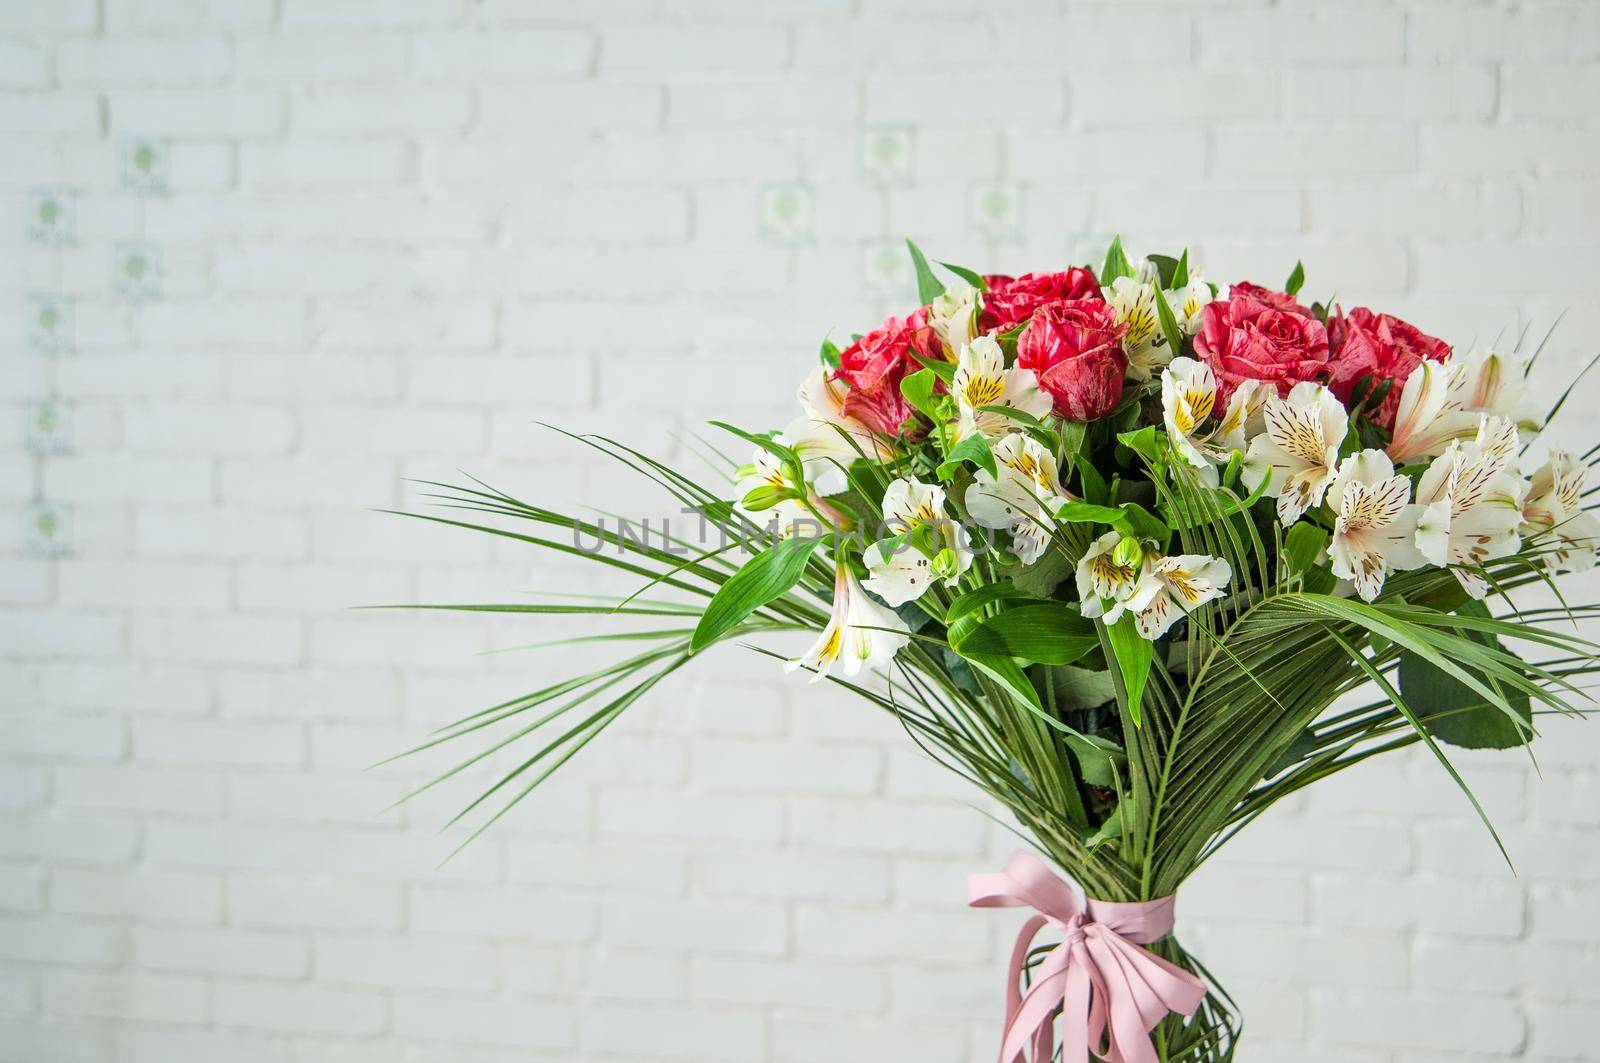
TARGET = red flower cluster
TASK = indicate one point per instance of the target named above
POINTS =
(1072, 343)
(1270, 337)
(1010, 300)
(1074, 347)
(1382, 347)
(875, 364)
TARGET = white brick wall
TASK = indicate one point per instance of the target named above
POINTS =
(265, 259)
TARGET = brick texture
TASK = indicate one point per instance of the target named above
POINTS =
(266, 262)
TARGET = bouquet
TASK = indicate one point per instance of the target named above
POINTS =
(1121, 547)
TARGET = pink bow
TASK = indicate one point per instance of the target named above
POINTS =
(1111, 993)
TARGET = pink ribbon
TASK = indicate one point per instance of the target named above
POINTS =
(1110, 991)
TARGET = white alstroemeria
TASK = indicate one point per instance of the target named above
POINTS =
(903, 567)
(1246, 416)
(826, 438)
(1189, 410)
(1168, 588)
(785, 517)
(1023, 499)
(1134, 303)
(1187, 302)
(1375, 523)
(860, 633)
(1188, 397)
(1101, 576)
(1495, 383)
(1299, 448)
(1472, 503)
(1427, 420)
(982, 379)
(1443, 402)
(953, 316)
(1553, 514)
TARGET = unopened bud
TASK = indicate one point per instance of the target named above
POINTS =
(1128, 552)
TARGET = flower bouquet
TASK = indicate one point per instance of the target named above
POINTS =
(1120, 547)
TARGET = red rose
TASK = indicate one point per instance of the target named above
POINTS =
(1009, 300)
(1382, 347)
(1244, 339)
(1074, 347)
(875, 364)
(1275, 299)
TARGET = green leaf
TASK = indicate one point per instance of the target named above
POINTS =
(1145, 442)
(929, 286)
(1094, 485)
(1166, 268)
(918, 390)
(829, 355)
(763, 578)
(1303, 546)
(1081, 688)
(974, 279)
(1046, 633)
(1180, 274)
(1088, 513)
(1452, 711)
(1117, 264)
(975, 449)
(940, 368)
(1134, 654)
(1042, 577)
(1304, 744)
(974, 600)
(1296, 279)
(1098, 758)
(1141, 523)
(1169, 325)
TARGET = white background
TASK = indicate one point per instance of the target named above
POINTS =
(266, 259)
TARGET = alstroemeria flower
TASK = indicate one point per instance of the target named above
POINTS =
(1188, 409)
(1444, 402)
(1134, 304)
(1187, 302)
(860, 633)
(1553, 512)
(828, 439)
(1101, 576)
(905, 567)
(784, 517)
(1168, 588)
(1299, 449)
(1472, 503)
(982, 379)
(1023, 499)
(1495, 383)
(1375, 524)
(953, 316)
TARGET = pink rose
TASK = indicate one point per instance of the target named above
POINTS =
(1074, 347)
(1010, 300)
(1275, 299)
(1382, 347)
(1244, 339)
(875, 364)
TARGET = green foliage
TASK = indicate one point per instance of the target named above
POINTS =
(1116, 263)
(1453, 712)
(766, 576)
(975, 449)
(929, 286)
(1047, 633)
(1297, 279)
